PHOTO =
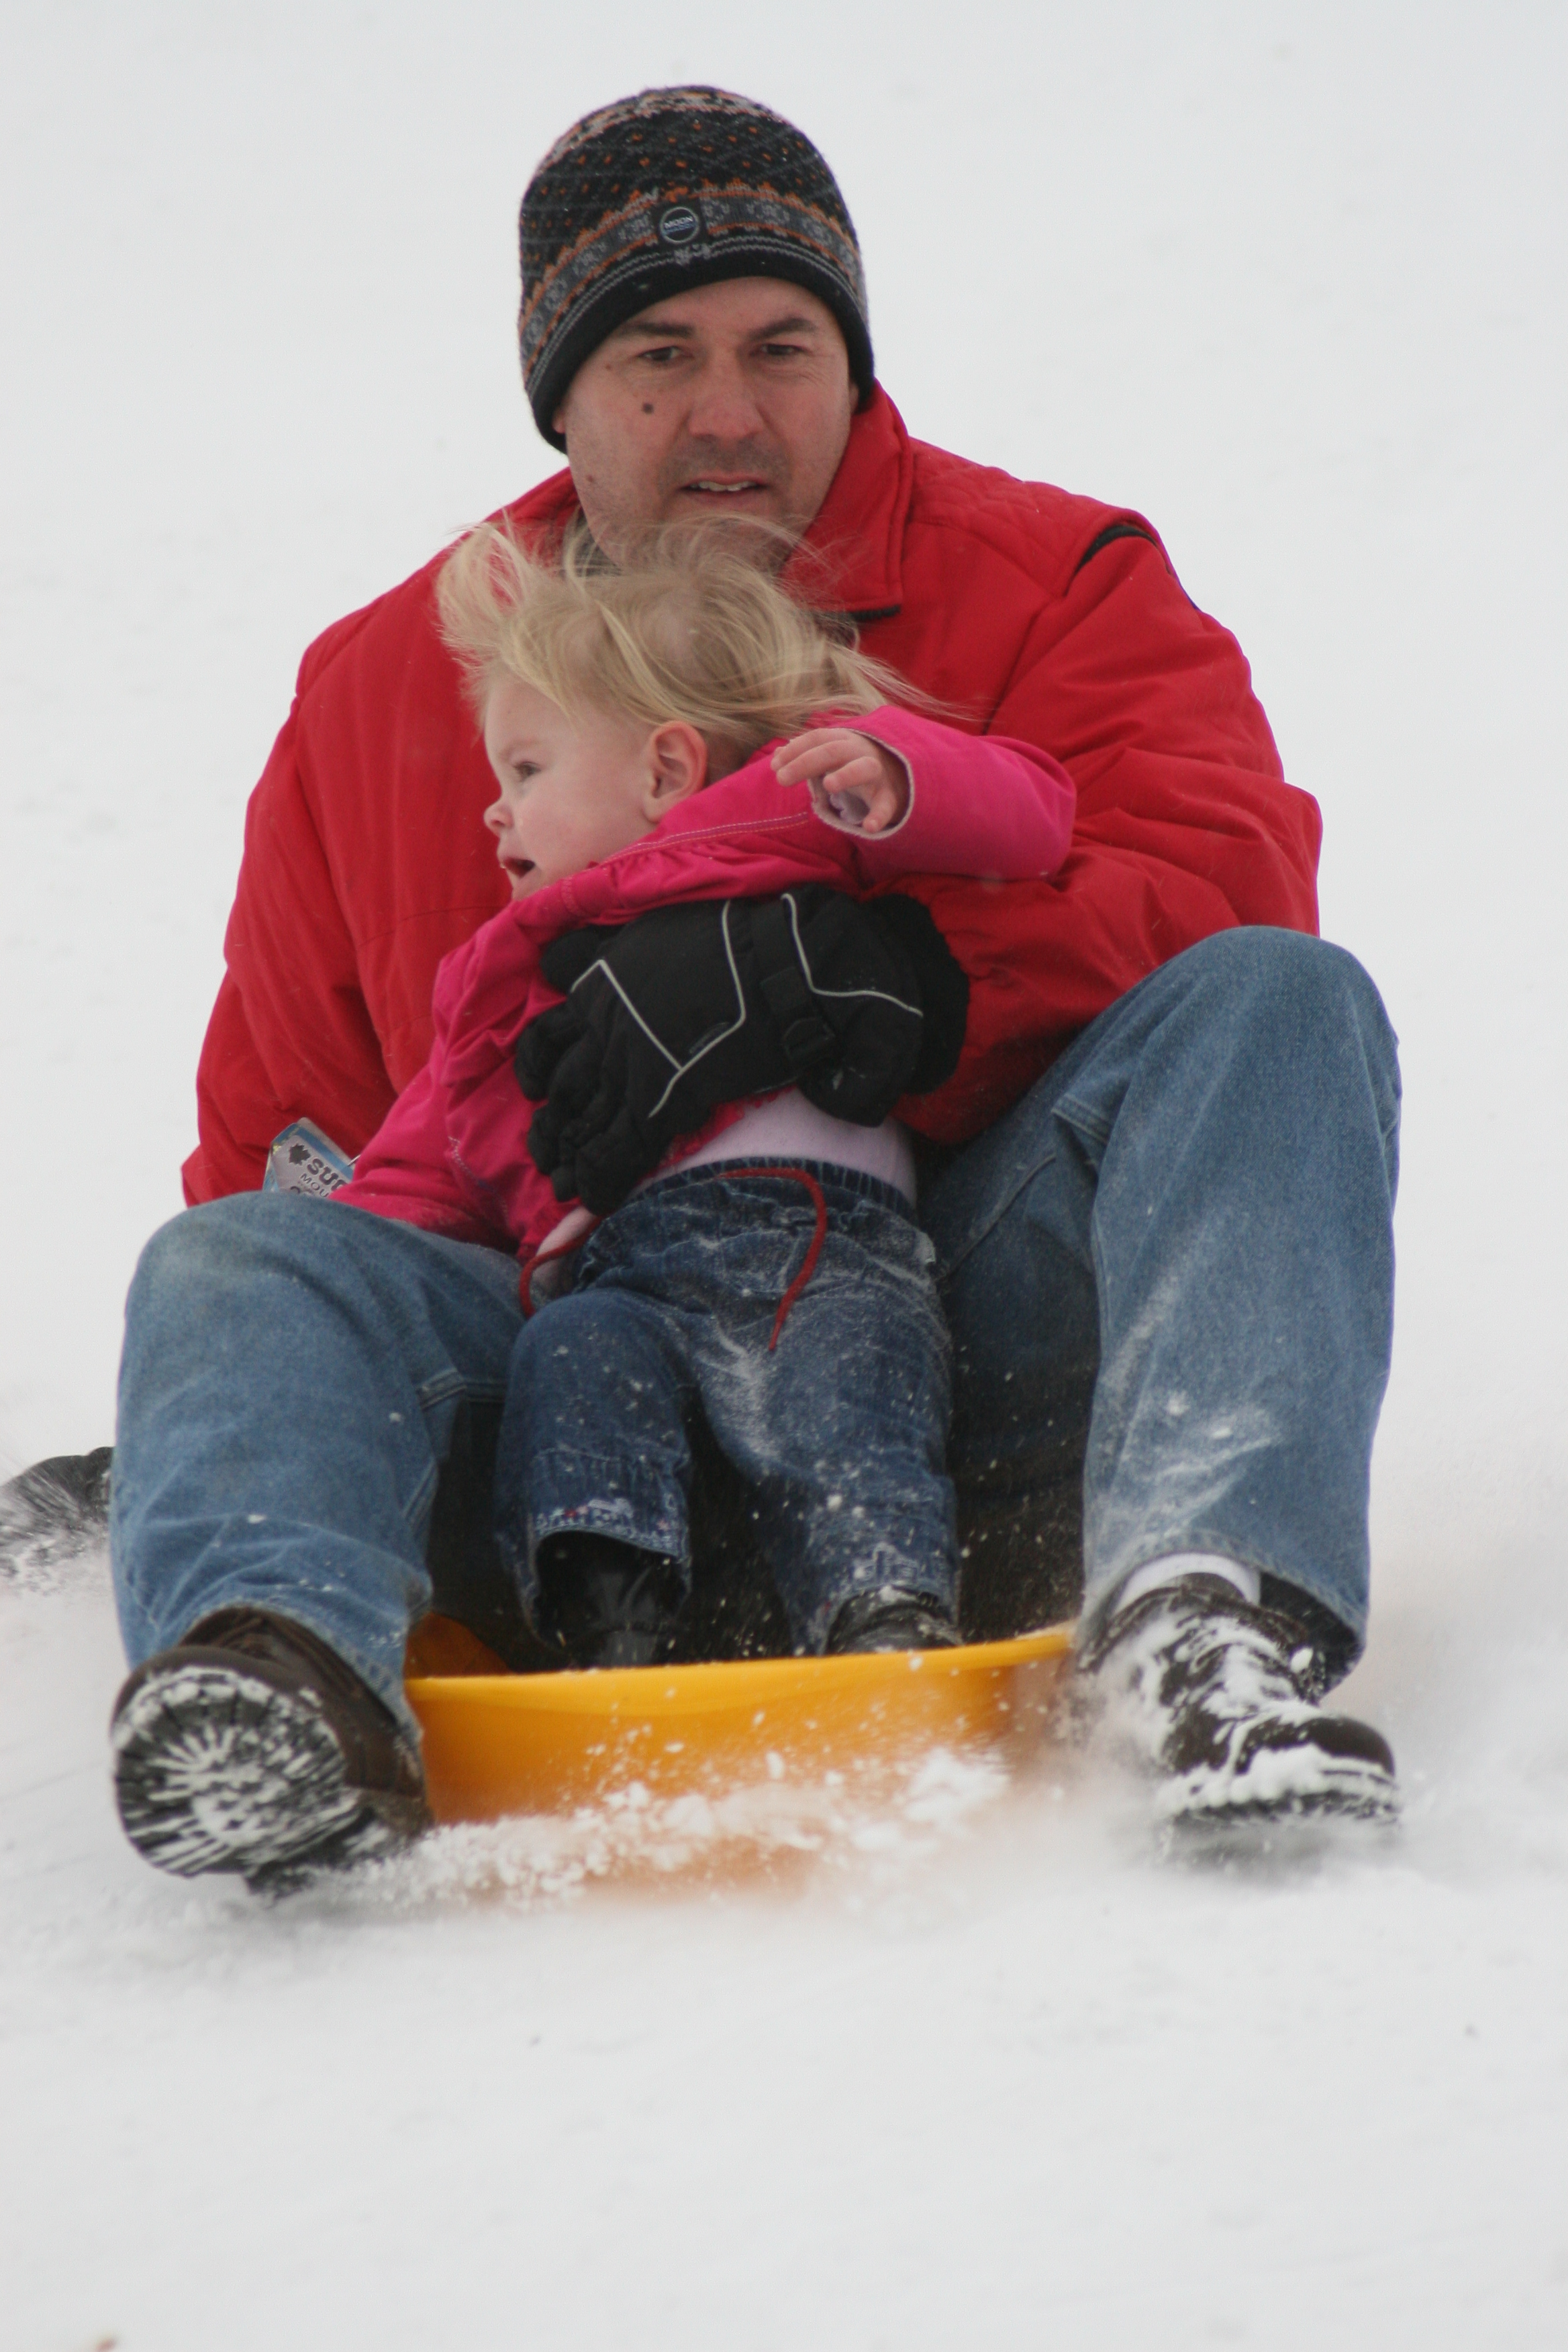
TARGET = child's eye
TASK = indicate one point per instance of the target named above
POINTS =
(523, 770)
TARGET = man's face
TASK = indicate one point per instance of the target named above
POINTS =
(733, 401)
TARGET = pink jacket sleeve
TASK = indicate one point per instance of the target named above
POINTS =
(406, 1171)
(980, 805)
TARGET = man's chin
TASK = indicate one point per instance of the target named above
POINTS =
(760, 515)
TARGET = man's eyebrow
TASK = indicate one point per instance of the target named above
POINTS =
(636, 330)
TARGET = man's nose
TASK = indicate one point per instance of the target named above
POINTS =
(723, 406)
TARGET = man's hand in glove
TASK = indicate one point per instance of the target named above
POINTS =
(695, 1005)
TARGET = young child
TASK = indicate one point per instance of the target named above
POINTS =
(770, 1280)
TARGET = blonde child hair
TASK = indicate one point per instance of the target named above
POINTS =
(689, 629)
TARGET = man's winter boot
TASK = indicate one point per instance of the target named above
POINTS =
(1217, 1700)
(251, 1747)
(892, 1617)
(606, 1603)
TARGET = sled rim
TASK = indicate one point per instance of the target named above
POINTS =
(504, 1743)
(607, 1689)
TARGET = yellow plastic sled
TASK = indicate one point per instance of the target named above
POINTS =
(498, 1743)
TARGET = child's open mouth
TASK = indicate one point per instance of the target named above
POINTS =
(518, 867)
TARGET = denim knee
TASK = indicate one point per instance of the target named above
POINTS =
(193, 1247)
(1301, 992)
(214, 1231)
(183, 1238)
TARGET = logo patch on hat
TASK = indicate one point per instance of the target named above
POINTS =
(679, 225)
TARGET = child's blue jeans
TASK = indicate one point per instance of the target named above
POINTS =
(839, 1431)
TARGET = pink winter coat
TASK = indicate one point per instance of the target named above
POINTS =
(452, 1153)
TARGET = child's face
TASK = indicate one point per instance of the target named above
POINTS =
(571, 790)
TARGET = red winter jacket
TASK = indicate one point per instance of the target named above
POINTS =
(1034, 614)
(452, 1152)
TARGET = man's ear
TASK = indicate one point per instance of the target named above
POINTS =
(675, 766)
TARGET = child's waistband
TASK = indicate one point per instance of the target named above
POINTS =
(787, 1126)
(840, 1184)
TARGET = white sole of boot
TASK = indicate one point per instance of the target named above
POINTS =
(1343, 1804)
(215, 1771)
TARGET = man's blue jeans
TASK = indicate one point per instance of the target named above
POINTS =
(1174, 1260)
(834, 1418)
(1175, 1255)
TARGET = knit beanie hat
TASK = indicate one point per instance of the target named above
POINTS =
(670, 189)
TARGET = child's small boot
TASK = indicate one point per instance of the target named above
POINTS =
(892, 1618)
(606, 1603)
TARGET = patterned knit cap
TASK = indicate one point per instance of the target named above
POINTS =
(670, 189)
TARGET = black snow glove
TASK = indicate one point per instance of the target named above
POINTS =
(693, 1006)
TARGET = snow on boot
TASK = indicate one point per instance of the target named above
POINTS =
(1215, 1700)
(892, 1617)
(251, 1747)
(53, 1513)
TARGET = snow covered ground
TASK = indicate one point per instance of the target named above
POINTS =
(1288, 279)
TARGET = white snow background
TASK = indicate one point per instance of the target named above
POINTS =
(1289, 279)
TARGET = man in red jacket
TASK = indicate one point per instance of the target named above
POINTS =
(1167, 1264)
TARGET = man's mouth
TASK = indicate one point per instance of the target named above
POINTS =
(707, 489)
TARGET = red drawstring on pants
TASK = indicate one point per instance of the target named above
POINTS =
(796, 1176)
(814, 1249)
